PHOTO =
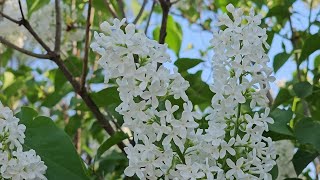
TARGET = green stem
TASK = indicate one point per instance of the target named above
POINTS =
(181, 156)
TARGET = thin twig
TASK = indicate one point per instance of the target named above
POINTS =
(87, 99)
(58, 27)
(26, 24)
(121, 6)
(86, 48)
(140, 12)
(9, 18)
(165, 6)
(111, 9)
(21, 11)
(24, 51)
(306, 110)
(149, 18)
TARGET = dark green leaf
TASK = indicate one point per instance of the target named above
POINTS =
(302, 89)
(72, 126)
(113, 164)
(274, 172)
(55, 148)
(184, 64)
(199, 92)
(106, 97)
(279, 60)
(280, 12)
(26, 114)
(55, 97)
(301, 159)
(284, 97)
(113, 140)
(307, 131)
(310, 45)
(59, 80)
(281, 119)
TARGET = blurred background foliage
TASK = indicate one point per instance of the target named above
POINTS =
(292, 27)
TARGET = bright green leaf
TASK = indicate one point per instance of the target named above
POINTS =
(174, 35)
(34, 5)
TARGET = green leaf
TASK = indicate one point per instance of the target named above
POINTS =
(316, 62)
(184, 64)
(174, 35)
(199, 92)
(59, 80)
(309, 46)
(113, 140)
(283, 98)
(279, 60)
(34, 5)
(281, 119)
(26, 114)
(106, 97)
(55, 97)
(72, 126)
(302, 89)
(307, 131)
(74, 65)
(274, 172)
(112, 164)
(301, 159)
(280, 12)
(55, 148)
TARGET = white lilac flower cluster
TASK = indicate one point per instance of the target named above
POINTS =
(46, 26)
(9, 30)
(14, 162)
(42, 21)
(169, 142)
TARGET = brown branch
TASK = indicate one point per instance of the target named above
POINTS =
(165, 6)
(111, 9)
(26, 24)
(24, 51)
(87, 99)
(121, 6)
(86, 48)
(21, 11)
(9, 18)
(149, 18)
(140, 12)
(58, 27)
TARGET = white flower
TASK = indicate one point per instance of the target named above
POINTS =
(15, 163)
(235, 170)
(227, 147)
(190, 170)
